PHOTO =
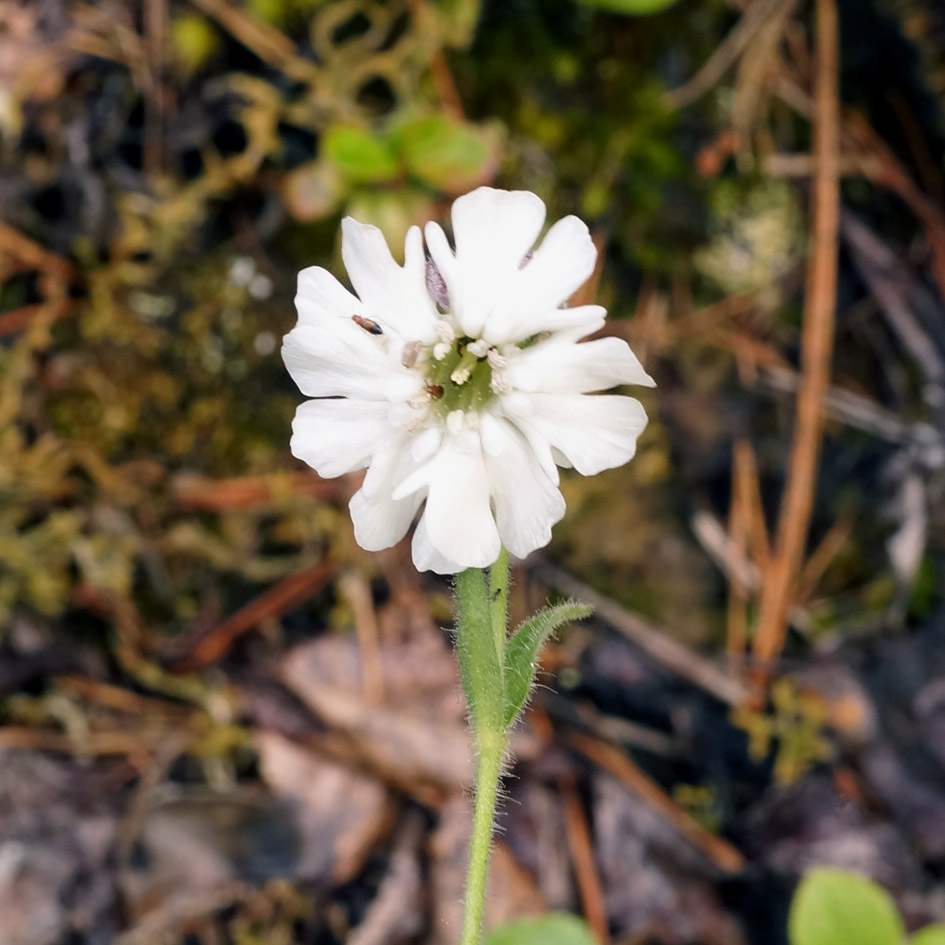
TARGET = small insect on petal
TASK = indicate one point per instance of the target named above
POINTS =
(367, 324)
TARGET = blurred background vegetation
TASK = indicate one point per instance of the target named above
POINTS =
(167, 167)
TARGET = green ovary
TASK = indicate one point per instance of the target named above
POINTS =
(448, 395)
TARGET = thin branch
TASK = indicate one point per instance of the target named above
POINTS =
(816, 350)
(655, 641)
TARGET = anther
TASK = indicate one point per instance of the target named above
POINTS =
(444, 331)
(465, 367)
(499, 382)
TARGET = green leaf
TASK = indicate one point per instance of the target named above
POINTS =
(837, 907)
(930, 935)
(360, 155)
(479, 664)
(522, 651)
(630, 7)
(558, 928)
(450, 155)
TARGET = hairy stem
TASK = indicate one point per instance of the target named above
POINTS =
(499, 591)
(487, 786)
(481, 644)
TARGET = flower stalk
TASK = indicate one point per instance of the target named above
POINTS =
(498, 673)
(481, 628)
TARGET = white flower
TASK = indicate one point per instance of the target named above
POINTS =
(459, 381)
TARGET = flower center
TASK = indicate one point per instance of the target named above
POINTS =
(461, 378)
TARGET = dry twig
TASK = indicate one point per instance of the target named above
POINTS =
(657, 642)
(817, 346)
(288, 593)
(719, 851)
(581, 846)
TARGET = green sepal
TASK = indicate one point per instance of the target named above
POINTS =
(521, 653)
(479, 665)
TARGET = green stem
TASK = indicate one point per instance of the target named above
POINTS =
(481, 642)
(499, 590)
(487, 786)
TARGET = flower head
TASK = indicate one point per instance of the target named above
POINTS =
(460, 380)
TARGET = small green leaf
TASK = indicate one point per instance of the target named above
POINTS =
(479, 664)
(450, 155)
(630, 7)
(558, 928)
(522, 651)
(360, 155)
(930, 935)
(837, 907)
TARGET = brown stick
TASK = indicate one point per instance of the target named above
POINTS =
(758, 529)
(823, 556)
(21, 318)
(265, 41)
(355, 587)
(581, 846)
(720, 851)
(816, 350)
(204, 494)
(440, 72)
(657, 641)
(33, 256)
(738, 530)
(156, 18)
(289, 592)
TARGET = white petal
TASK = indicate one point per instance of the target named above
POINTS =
(594, 432)
(338, 436)
(559, 267)
(338, 358)
(560, 367)
(322, 300)
(426, 557)
(493, 433)
(391, 462)
(458, 515)
(493, 231)
(396, 297)
(380, 520)
(578, 322)
(527, 502)
(426, 443)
